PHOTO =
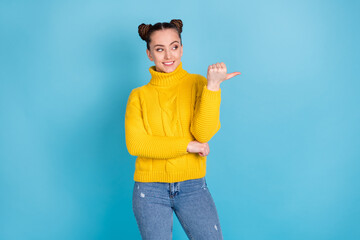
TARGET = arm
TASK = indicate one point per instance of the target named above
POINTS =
(139, 143)
(206, 118)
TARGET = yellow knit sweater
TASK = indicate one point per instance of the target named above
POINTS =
(162, 117)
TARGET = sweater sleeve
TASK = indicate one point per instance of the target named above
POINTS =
(206, 118)
(141, 144)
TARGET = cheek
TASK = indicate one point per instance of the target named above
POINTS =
(157, 57)
(179, 54)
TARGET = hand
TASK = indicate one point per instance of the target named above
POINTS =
(197, 147)
(216, 74)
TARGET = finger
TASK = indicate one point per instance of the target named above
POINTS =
(218, 65)
(210, 69)
(223, 66)
(231, 75)
(205, 151)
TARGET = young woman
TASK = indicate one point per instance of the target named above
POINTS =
(168, 123)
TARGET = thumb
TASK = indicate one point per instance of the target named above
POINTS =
(231, 75)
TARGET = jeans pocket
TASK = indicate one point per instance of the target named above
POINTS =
(204, 184)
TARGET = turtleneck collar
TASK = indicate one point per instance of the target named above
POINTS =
(167, 79)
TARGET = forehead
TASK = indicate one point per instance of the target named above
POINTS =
(164, 37)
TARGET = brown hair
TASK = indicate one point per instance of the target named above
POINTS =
(145, 30)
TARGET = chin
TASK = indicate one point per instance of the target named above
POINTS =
(169, 70)
(172, 68)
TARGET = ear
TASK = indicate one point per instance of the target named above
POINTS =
(149, 55)
(181, 50)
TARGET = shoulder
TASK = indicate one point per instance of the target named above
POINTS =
(198, 79)
(135, 92)
(135, 95)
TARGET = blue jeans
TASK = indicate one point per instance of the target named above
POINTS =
(154, 203)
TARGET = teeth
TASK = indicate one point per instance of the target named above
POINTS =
(168, 63)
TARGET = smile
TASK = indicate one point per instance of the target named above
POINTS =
(168, 63)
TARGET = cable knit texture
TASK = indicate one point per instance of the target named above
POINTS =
(163, 117)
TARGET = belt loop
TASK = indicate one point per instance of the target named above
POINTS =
(178, 186)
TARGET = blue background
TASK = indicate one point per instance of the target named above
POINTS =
(284, 165)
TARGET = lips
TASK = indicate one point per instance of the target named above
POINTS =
(168, 63)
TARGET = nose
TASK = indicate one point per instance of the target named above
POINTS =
(167, 55)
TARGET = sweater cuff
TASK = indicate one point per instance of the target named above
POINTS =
(211, 94)
(184, 144)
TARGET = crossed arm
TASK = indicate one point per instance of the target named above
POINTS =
(139, 143)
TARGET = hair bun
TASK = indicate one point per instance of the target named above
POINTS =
(143, 30)
(178, 23)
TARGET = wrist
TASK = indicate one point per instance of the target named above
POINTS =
(213, 87)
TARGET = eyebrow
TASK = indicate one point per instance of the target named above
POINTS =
(163, 45)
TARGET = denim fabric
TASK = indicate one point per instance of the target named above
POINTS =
(155, 202)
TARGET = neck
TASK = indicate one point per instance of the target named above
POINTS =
(167, 79)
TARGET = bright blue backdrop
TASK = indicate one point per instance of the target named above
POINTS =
(284, 165)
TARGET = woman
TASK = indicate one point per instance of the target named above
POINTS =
(168, 123)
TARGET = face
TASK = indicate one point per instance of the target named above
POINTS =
(165, 50)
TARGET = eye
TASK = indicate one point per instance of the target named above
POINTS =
(175, 47)
(159, 50)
